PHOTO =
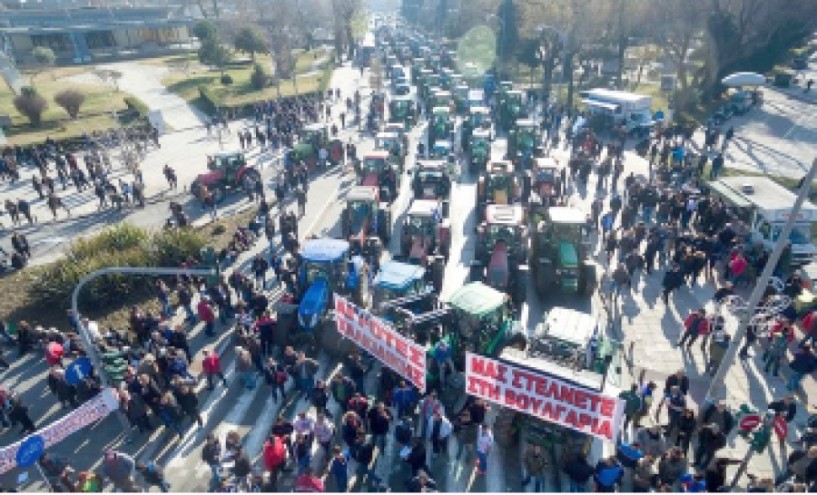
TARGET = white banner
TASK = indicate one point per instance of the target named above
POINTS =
(379, 338)
(544, 396)
(93, 410)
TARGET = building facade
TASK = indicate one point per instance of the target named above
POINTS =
(82, 35)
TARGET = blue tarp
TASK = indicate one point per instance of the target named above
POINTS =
(324, 250)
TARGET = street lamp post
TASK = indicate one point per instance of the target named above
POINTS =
(717, 382)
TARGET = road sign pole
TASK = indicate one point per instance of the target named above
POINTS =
(86, 337)
(717, 383)
(43, 476)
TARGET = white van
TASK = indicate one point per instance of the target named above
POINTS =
(632, 110)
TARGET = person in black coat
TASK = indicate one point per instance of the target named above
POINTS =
(189, 404)
(417, 457)
(673, 279)
(19, 414)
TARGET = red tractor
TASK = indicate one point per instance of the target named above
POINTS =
(378, 170)
(228, 170)
(501, 255)
(544, 183)
(426, 231)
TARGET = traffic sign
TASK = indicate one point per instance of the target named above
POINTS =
(30, 451)
(78, 370)
(781, 428)
(749, 422)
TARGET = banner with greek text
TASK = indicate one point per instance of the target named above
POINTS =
(90, 412)
(544, 396)
(379, 338)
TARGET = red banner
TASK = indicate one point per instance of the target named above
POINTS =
(544, 396)
(90, 412)
(380, 339)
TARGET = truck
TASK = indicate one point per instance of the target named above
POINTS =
(765, 206)
(609, 108)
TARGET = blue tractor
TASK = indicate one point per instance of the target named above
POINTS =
(327, 267)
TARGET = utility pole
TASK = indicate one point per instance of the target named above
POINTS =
(717, 383)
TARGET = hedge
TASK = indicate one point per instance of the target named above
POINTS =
(137, 105)
(121, 245)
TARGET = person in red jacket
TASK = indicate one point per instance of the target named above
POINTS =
(695, 325)
(307, 482)
(212, 368)
(809, 326)
(207, 315)
(275, 456)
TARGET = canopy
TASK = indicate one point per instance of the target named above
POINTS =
(395, 275)
(477, 299)
(744, 79)
(324, 250)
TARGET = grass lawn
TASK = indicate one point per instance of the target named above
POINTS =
(100, 101)
(17, 305)
(242, 92)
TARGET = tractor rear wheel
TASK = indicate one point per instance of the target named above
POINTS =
(220, 193)
(335, 344)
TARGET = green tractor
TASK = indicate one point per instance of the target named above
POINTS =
(441, 126)
(502, 251)
(401, 109)
(428, 80)
(478, 118)
(566, 344)
(311, 139)
(366, 222)
(524, 143)
(560, 253)
(417, 65)
(461, 98)
(442, 99)
(479, 150)
(445, 78)
(511, 108)
(391, 142)
(483, 319)
(497, 185)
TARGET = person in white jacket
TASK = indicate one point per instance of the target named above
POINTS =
(485, 441)
(438, 430)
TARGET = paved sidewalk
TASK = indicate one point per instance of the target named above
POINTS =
(144, 81)
(650, 330)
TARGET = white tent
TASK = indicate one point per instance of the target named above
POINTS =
(744, 79)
